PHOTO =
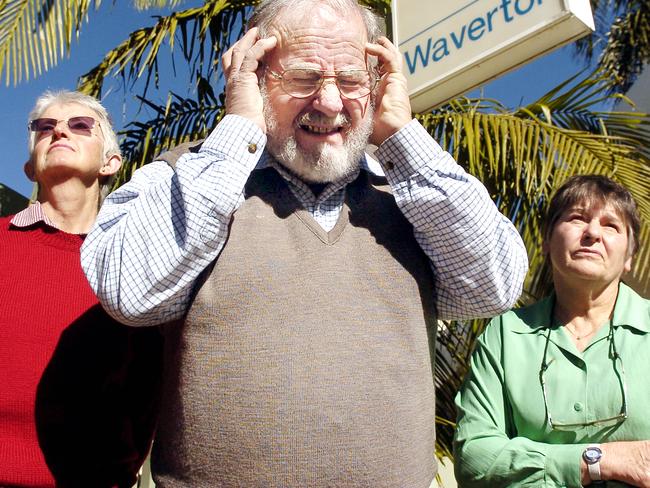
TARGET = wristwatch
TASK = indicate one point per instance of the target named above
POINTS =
(592, 455)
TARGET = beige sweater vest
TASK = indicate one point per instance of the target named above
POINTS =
(304, 359)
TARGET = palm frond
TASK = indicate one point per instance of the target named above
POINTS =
(179, 120)
(628, 46)
(34, 34)
(149, 4)
(589, 46)
(454, 343)
(620, 42)
(575, 104)
(201, 32)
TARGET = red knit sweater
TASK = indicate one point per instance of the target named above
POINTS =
(63, 370)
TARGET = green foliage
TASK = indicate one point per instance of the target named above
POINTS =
(628, 46)
(201, 34)
(180, 120)
(34, 34)
(622, 34)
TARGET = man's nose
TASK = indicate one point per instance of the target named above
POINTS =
(328, 99)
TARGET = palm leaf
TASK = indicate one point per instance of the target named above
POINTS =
(179, 120)
(201, 32)
(34, 34)
(620, 41)
(628, 46)
(522, 162)
(150, 4)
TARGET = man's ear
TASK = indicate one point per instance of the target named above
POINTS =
(111, 165)
(28, 168)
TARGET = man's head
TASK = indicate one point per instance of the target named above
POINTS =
(66, 146)
(320, 136)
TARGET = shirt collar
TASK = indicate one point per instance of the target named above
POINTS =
(302, 191)
(367, 162)
(534, 317)
(31, 215)
(630, 310)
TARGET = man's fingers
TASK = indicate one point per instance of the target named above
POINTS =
(248, 40)
(241, 66)
(390, 59)
(246, 54)
(254, 56)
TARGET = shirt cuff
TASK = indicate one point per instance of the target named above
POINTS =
(409, 151)
(563, 464)
(238, 138)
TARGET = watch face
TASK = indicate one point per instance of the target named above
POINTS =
(592, 455)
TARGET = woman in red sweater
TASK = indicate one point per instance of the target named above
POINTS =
(77, 390)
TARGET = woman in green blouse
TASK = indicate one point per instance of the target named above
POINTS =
(559, 392)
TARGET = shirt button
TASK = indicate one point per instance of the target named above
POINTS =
(577, 406)
(252, 147)
(389, 165)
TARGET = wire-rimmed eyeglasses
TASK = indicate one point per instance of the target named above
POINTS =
(80, 124)
(617, 362)
(305, 82)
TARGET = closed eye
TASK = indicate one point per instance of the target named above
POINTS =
(576, 216)
(614, 226)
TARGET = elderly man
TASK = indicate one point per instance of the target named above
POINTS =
(78, 391)
(307, 275)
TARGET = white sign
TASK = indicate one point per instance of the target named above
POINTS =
(452, 46)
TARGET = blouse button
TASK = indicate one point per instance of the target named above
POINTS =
(577, 407)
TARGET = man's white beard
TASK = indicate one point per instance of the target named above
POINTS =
(325, 163)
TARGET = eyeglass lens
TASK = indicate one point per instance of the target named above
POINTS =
(79, 124)
(302, 83)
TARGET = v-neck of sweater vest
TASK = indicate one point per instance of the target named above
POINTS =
(268, 179)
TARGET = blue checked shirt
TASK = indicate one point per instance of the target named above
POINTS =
(155, 235)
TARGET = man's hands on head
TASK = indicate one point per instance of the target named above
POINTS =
(392, 104)
(241, 65)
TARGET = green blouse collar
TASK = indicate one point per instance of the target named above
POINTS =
(630, 310)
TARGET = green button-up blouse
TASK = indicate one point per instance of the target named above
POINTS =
(503, 437)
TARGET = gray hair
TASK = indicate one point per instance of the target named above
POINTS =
(62, 97)
(267, 12)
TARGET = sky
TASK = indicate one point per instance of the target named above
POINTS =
(112, 24)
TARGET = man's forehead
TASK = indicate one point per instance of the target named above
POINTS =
(313, 42)
(322, 23)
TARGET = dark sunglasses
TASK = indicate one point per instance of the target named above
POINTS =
(78, 125)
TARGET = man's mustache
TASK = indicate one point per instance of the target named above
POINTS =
(319, 118)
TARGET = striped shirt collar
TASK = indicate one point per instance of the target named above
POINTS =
(32, 215)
